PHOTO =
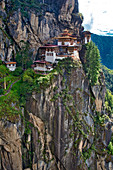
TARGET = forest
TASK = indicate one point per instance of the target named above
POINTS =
(105, 46)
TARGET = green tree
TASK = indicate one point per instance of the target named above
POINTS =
(28, 76)
(0, 62)
(109, 101)
(18, 71)
(3, 73)
(108, 78)
(23, 57)
(92, 62)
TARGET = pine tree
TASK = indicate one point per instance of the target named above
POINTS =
(92, 62)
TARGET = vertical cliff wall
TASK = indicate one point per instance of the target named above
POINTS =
(72, 125)
(37, 27)
(63, 126)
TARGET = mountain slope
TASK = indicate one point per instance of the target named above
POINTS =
(105, 45)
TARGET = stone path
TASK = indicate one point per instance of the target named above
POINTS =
(9, 89)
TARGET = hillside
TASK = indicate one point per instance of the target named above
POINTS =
(105, 45)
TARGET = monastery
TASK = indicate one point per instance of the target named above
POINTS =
(68, 45)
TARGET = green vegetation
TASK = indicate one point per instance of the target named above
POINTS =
(87, 152)
(92, 63)
(3, 71)
(109, 92)
(78, 15)
(99, 118)
(6, 79)
(28, 82)
(18, 71)
(110, 146)
(108, 78)
(109, 102)
(23, 56)
(105, 46)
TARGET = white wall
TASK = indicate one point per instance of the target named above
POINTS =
(50, 58)
(85, 40)
(59, 43)
(37, 68)
(67, 43)
(58, 57)
(90, 39)
(76, 54)
(11, 67)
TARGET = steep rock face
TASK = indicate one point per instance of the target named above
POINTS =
(35, 29)
(10, 145)
(65, 127)
(67, 112)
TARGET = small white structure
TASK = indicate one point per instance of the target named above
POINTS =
(87, 36)
(11, 65)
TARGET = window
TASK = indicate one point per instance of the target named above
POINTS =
(49, 54)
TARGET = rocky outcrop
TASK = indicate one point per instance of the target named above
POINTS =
(63, 126)
(67, 112)
(10, 145)
(36, 29)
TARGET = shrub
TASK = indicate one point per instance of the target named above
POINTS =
(110, 148)
(1, 91)
(18, 71)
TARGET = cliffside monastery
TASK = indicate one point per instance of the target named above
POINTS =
(68, 45)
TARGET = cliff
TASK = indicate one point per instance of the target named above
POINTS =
(35, 27)
(63, 126)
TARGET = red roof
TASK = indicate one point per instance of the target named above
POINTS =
(10, 62)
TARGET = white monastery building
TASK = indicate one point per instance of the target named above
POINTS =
(68, 45)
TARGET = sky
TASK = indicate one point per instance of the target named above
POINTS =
(98, 16)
